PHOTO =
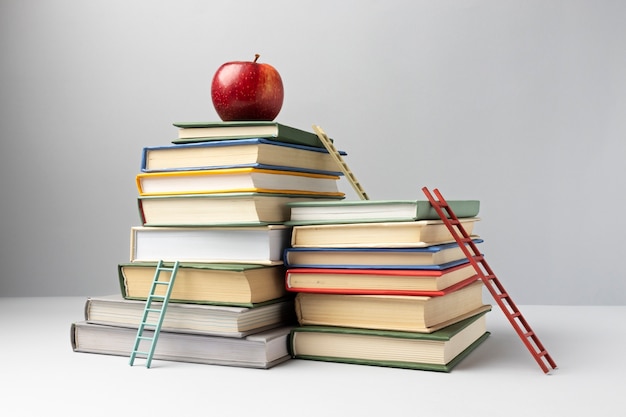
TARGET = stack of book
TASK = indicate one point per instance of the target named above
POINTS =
(215, 200)
(383, 283)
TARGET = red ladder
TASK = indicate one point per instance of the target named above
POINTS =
(503, 299)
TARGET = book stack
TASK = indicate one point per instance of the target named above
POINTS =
(383, 283)
(215, 200)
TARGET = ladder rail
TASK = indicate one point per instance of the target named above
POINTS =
(154, 327)
(328, 144)
(491, 281)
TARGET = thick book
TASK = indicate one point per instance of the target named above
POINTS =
(217, 209)
(216, 320)
(219, 284)
(431, 257)
(260, 350)
(212, 244)
(421, 314)
(413, 234)
(256, 152)
(380, 281)
(210, 131)
(237, 180)
(362, 211)
(440, 351)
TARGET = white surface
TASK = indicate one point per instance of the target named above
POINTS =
(41, 374)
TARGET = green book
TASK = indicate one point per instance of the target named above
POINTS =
(190, 132)
(244, 285)
(370, 211)
(438, 351)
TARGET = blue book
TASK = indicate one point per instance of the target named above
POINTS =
(239, 153)
(436, 257)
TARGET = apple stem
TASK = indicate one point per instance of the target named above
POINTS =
(256, 56)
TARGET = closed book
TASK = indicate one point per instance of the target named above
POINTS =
(409, 313)
(219, 284)
(440, 351)
(259, 350)
(430, 257)
(217, 320)
(210, 131)
(380, 281)
(236, 180)
(217, 209)
(256, 152)
(219, 244)
(414, 234)
(362, 211)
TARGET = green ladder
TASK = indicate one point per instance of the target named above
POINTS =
(155, 327)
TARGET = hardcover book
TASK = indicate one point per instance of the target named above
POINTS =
(236, 180)
(257, 153)
(414, 234)
(260, 350)
(217, 209)
(421, 314)
(219, 244)
(440, 351)
(362, 211)
(220, 284)
(380, 281)
(207, 131)
(216, 320)
(430, 257)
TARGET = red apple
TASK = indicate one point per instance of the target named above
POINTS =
(247, 90)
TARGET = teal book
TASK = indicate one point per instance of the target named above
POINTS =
(438, 351)
(190, 132)
(238, 153)
(373, 211)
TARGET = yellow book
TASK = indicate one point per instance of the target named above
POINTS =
(237, 180)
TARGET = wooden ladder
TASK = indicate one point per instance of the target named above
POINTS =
(485, 273)
(328, 144)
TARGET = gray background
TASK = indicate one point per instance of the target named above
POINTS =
(521, 104)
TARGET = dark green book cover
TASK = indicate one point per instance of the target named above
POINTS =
(247, 130)
(442, 335)
(363, 211)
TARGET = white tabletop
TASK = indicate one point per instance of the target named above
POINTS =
(41, 374)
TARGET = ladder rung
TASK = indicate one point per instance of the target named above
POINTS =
(158, 297)
(145, 338)
(154, 310)
(138, 352)
(162, 282)
(529, 334)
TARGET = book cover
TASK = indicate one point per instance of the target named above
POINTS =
(423, 314)
(380, 281)
(236, 180)
(260, 350)
(362, 211)
(413, 234)
(434, 257)
(254, 152)
(204, 131)
(438, 351)
(211, 244)
(209, 319)
(205, 283)
(226, 209)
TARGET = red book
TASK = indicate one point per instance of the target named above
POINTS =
(380, 282)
